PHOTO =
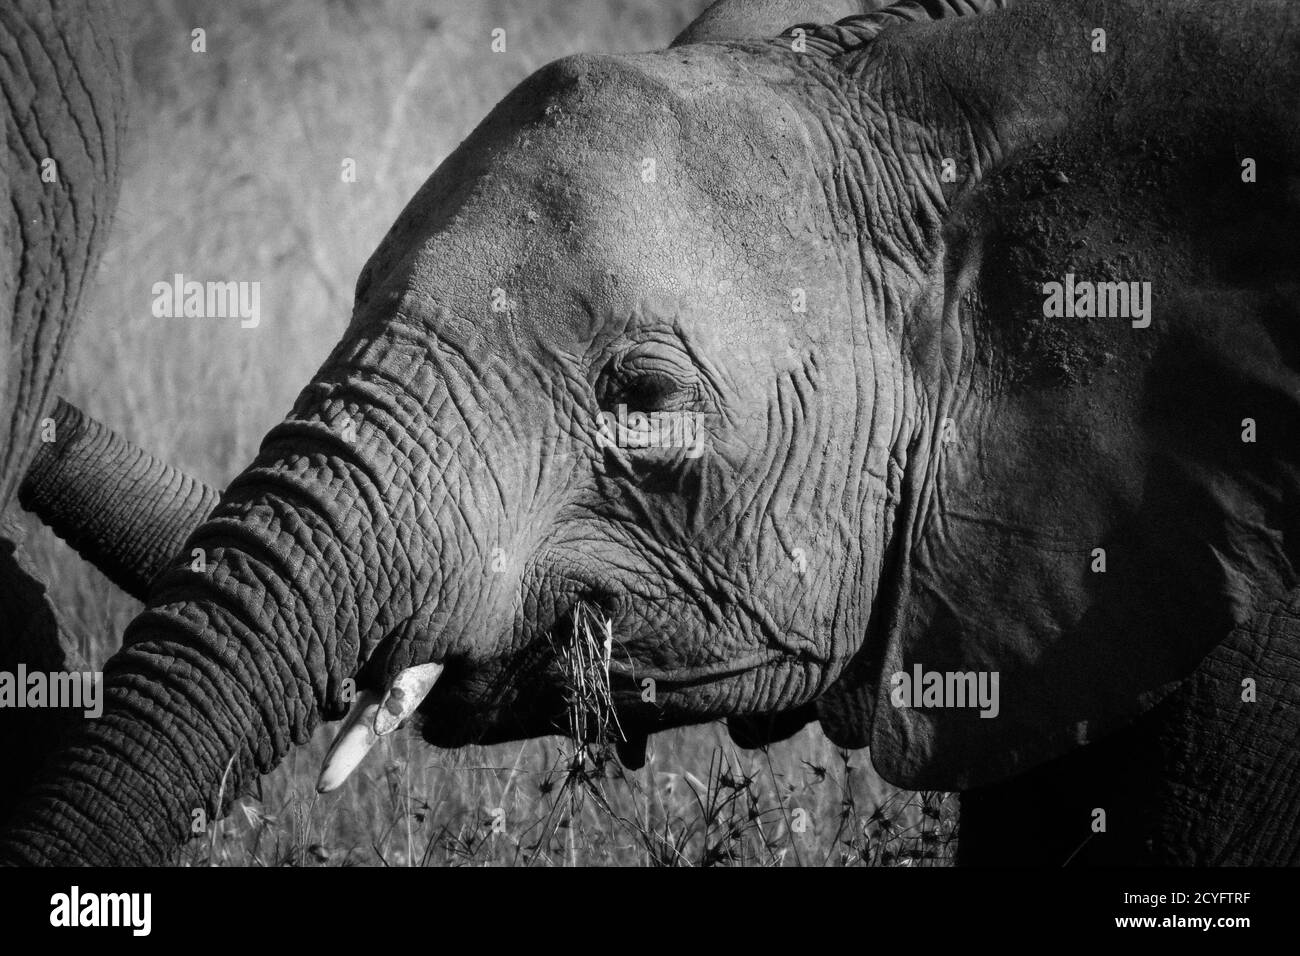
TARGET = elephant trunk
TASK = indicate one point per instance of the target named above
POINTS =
(121, 509)
(299, 577)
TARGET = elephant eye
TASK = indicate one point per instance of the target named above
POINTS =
(654, 391)
(649, 382)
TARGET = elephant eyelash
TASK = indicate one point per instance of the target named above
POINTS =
(649, 391)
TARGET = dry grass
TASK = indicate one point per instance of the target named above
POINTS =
(584, 662)
(233, 174)
(697, 802)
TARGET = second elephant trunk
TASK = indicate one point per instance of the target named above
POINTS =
(117, 506)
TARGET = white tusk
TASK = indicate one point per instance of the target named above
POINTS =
(409, 689)
(353, 742)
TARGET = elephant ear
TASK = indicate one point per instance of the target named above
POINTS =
(1094, 494)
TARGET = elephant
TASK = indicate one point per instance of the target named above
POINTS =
(62, 68)
(829, 368)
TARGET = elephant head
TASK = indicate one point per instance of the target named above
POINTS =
(746, 346)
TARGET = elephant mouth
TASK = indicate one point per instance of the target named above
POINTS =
(699, 674)
(532, 692)
(576, 678)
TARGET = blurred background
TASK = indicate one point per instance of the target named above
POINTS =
(233, 172)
